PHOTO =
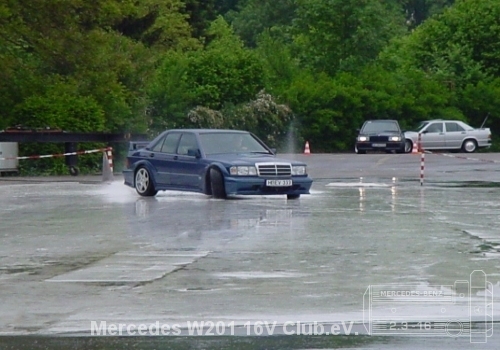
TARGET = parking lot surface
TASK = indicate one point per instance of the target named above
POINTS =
(77, 250)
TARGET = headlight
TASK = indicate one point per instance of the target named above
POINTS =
(395, 138)
(362, 138)
(243, 170)
(298, 170)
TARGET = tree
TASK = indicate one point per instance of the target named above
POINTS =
(459, 49)
(258, 16)
(60, 107)
(200, 14)
(417, 11)
(340, 35)
(108, 48)
(460, 45)
(222, 73)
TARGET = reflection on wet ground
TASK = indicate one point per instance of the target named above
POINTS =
(98, 252)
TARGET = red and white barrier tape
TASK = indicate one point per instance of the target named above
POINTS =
(462, 157)
(108, 150)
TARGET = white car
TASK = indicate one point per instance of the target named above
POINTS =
(448, 135)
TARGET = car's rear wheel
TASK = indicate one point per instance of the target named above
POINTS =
(469, 146)
(217, 184)
(408, 146)
(143, 183)
(292, 196)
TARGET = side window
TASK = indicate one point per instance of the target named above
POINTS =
(188, 141)
(159, 144)
(450, 127)
(435, 127)
(170, 144)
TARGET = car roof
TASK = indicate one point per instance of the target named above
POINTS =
(444, 120)
(204, 131)
(381, 120)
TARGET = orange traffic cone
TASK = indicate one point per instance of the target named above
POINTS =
(306, 149)
(414, 149)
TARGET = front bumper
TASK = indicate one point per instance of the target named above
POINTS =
(248, 185)
(380, 146)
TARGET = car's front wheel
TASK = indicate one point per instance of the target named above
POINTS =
(217, 184)
(408, 146)
(469, 146)
(143, 183)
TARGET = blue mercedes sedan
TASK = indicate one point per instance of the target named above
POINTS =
(215, 162)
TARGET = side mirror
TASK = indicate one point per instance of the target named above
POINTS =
(194, 153)
(358, 130)
(424, 132)
(274, 150)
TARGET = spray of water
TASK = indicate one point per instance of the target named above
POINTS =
(291, 139)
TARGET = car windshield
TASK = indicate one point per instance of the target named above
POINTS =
(380, 126)
(228, 142)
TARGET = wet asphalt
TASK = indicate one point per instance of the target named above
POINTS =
(75, 250)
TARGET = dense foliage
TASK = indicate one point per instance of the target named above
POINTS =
(320, 67)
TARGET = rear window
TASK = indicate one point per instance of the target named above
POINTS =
(450, 127)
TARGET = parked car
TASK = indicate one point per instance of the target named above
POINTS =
(214, 162)
(380, 135)
(448, 135)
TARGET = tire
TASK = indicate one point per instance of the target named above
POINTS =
(143, 183)
(469, 146)
(292, 196)
(217, 184)
(408, 146)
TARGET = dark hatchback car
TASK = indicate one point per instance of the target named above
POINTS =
(380, 135)
(214, 162)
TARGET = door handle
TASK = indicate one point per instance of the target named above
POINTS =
(152, 155)
(175, 157)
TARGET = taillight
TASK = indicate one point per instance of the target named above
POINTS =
(127, 163)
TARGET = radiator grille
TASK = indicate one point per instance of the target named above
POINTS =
(274, 169)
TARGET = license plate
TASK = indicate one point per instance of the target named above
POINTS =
(278, 183)
(379, 145)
